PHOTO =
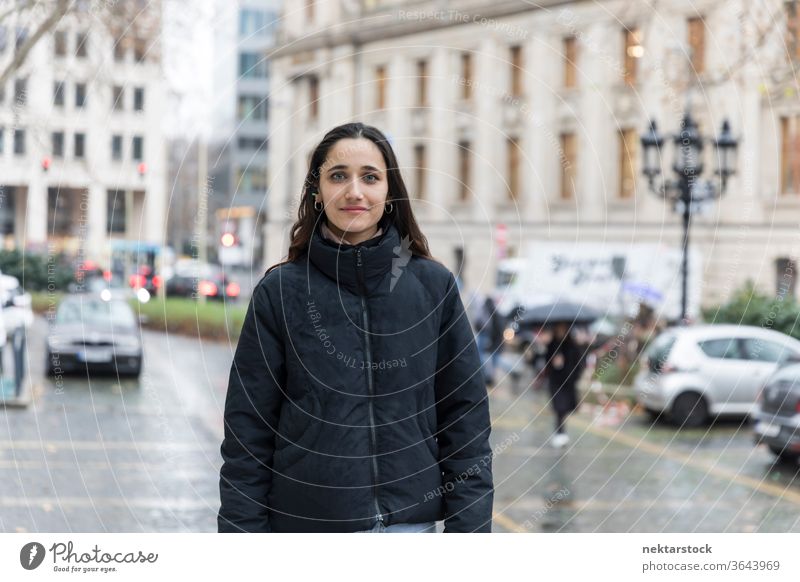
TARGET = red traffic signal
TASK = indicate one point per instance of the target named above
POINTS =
(228, 239)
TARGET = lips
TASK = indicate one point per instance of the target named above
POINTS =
(354, 209)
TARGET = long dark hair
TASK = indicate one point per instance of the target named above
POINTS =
(402, 216)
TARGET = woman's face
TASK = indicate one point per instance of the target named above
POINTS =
(561, 330)
(354, 188)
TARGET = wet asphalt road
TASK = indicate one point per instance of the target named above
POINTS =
(118, 454)
(122, 455)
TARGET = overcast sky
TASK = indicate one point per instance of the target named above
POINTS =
(199, 47)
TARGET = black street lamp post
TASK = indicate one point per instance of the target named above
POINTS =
(688, 191)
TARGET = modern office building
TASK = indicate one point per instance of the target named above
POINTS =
(238, 152)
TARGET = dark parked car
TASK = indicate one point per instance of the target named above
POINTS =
(91, 333)
(776, 420)
(193, 278)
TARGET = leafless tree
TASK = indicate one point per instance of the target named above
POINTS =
(128, 21)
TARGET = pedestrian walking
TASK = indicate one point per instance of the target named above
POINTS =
(564, 366)
(490, 340)
(355, 401)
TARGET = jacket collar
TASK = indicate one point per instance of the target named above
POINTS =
(340, 262)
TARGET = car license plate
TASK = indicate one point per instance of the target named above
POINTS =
(95, 356)
(770, 430)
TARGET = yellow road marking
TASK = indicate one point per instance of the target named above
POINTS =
(508, 523)
(722, 473)
(653, 449)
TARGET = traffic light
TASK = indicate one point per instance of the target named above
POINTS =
(228, 240)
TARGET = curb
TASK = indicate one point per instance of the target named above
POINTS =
(597, 393)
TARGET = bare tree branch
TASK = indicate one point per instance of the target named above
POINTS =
(15, 9)
(60, 8)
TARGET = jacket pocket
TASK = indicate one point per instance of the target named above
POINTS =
(298, 429)
(425, 418)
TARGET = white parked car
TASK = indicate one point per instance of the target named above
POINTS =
(692, 373)
(16, 304)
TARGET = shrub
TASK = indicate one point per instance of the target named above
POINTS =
(35, 271)
(748, 306)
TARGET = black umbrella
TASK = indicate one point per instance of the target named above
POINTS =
(559, 312)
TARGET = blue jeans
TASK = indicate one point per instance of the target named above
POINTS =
(490, 359)
(429, 527)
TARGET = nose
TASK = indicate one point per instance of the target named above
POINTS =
(354, 190)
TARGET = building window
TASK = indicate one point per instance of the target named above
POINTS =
(628, 144)
(252, 66)
(119, 50)
(252, 179)
(60, 43)
(790, 155)
(138, 148)
(697, 44)
(567, 162)
(80, 146)
(22, 37)
(465, 170)
(793, 28)
(633, 52)
(516, 70)
(58, 144)
(61, 212)
(139, 49)
(138, 99)
(116, 147)
(252, 107)
(419, 169)
(19, 142)
(313, 96)
(466, 75)
(20, 91)
(570, 62)
(7, 212)
(253, 23)
(81, 45)
(422, 83)
(513, 152)
(115, 211)
(252, 143)
(786, 277)
(2, 140)
(80, 94)
(118, 96)
(58, 93)
(380, 87)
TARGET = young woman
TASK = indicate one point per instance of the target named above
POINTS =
(356, 400)
(563, 368)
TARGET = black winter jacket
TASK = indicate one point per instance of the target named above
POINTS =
(356, 395)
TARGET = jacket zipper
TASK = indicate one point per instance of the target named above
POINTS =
(370, 387)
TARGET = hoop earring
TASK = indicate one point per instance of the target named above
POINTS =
(321, 206)
(389, 207)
